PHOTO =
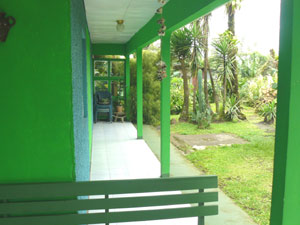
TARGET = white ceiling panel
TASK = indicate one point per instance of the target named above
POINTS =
(103, 14)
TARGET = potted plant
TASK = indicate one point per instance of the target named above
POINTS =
(120, 106)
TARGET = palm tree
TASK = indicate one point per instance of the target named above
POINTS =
(200, 32)
(181, 43)
(231, 9)
(225, 49)
(195, 57)
(205, 52)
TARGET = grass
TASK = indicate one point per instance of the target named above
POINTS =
(245, 171)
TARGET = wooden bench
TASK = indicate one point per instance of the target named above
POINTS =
(58, 203)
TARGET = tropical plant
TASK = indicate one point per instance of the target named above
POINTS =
(231, 9)
(268, 111)
(195, 57)
(176, 95)
(224, 52)
(204, 41)
(251, 64)
(202, 116)
(181, 42)
(232, 108)
(259, 90)
(203, 119)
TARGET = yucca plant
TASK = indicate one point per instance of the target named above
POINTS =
(225, 48)
(232, 108)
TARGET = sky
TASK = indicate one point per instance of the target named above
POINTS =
(257, 25)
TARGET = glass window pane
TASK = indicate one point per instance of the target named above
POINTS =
(118, 88)
(101, 85)
(117, 68)
(101, 69)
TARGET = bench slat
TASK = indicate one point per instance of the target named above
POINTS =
(113, 217)
(56, 190)
(63, 206)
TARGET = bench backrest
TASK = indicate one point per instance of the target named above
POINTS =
(68, 203)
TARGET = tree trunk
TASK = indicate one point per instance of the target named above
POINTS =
(205, 42)
(224, 88)
(231, 28)
(195, 85)
(185, 109)
(215, 94)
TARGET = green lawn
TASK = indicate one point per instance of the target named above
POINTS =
(245, 171)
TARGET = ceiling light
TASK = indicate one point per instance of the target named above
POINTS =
(120, 25)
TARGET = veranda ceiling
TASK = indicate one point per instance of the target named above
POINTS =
(102, 16)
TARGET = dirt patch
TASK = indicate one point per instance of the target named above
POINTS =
(201, 141)
(268, 128)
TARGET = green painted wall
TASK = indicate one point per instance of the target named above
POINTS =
(89, 89)
(36, 93)
(108, 49)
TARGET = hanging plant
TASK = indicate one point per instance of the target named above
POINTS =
(162, 70)
(162, 67)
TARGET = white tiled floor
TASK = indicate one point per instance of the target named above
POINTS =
(117, 154)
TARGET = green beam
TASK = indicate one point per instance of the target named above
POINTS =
(108, 49)
(127, 72)
(139, 94)
(286, 181)
(177, 14)
(165, 107)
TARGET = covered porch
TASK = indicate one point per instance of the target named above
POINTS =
(46, 148)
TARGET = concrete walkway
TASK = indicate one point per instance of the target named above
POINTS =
(229, 212)
(117, 154)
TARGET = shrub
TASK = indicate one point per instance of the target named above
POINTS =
(151, 88)
(203, 119)
(232, 109)
(268, 111)
(259, 90)
(176, 95)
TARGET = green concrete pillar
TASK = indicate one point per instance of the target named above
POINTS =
(286, 181)
(139, 94)
(165, 108)
(128, 98)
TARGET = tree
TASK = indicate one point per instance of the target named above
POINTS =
(205, 53)
(200, 48)
(225, 50)
(213, 86)
(196, 35)
(181, 43)
(231, 9)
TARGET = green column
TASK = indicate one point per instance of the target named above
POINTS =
(139, 94)
(127, 70)
(165, 108)
(286, 181)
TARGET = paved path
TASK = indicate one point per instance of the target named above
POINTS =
(117, 154)
(229, 213)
